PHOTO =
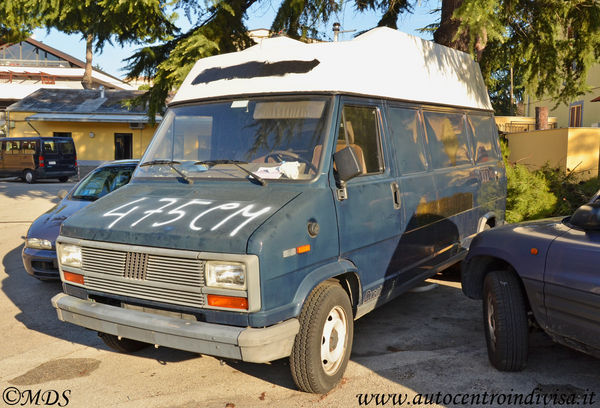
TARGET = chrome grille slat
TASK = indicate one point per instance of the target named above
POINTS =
(134, 289)
(169, 279)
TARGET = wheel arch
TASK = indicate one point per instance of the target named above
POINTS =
(342, 271)
(475, 270)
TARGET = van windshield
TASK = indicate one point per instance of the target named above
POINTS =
(274, 138)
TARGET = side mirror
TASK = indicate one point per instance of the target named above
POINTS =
(587, 217)
(62, 194)
(346, 164)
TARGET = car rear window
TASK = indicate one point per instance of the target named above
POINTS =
(67, 148)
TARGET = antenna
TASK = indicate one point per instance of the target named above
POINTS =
(337, 32)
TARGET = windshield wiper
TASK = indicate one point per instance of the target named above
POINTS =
(235, 163)
(169, 163)
(85, 197)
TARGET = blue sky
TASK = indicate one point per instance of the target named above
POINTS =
(260, 16)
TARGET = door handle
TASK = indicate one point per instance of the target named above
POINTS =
(396, 195)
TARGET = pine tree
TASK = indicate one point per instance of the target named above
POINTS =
(104, 21)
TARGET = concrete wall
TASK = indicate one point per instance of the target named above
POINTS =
(583, 152)
(569, 149)
(95, 150)
(513, 124)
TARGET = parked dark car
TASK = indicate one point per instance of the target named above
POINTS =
(544, 273)
(39, 253)
(32, 158)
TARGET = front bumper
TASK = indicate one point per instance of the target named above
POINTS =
(40, 263)
(256, 345)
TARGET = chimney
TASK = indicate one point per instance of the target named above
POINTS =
(101, 88)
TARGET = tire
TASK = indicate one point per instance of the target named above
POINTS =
(505, 321)
(123, 345)
(29, 176)
(322, 346)
(63, 179)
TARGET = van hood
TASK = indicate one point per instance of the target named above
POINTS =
(211, 217)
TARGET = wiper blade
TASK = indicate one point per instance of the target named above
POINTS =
(85, 197)
(236, 163)
(169, 163)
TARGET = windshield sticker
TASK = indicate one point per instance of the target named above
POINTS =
(233, 216)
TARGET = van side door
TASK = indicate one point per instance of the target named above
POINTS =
(369, 219)
(415, 253)
(13, 158)
(456, 180)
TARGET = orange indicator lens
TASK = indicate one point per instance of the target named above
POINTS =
(74, 277)
(534, 251)
(227, 301)
(302, 249)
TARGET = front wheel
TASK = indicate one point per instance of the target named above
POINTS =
(505, 321)
(322, 347)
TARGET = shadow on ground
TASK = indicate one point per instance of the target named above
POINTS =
(32, 298)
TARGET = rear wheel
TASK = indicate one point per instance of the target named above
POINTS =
(322, 347)
(29, 176)
(63, 179)
(122, 345)
(505, 321)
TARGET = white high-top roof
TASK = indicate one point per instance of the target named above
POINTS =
(382, 63)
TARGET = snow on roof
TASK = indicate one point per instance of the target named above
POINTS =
(382, 62)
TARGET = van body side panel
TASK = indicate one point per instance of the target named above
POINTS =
(283, 270)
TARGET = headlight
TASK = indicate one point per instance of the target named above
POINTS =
(229, 275)
(38, 243)
(69, 255)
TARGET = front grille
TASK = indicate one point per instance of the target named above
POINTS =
(135, 265)
(144, 275)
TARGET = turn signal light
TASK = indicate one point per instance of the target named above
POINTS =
(74, 277)
(302, 249)
(231, 302)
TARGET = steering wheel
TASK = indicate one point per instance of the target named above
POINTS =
(279, 155)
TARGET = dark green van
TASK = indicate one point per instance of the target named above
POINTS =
(33, 158)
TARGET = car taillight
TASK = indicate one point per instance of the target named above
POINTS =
(75, 160)
(41, 161)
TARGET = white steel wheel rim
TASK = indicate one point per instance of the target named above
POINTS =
(28, 176)
(333, 340)
(491, 321)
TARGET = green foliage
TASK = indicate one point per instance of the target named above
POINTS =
(17, 20)
(527, 194)
(123, 21)
(543, 193)
(550, 43)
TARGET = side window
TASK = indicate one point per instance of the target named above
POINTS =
(359, 130)
(447, 139)
(484, 136)
(28, 147)
(403, 124)
(49, 147)
(13, 146)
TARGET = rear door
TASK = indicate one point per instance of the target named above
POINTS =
(572, 286)
(66, 155)
(369, 222)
